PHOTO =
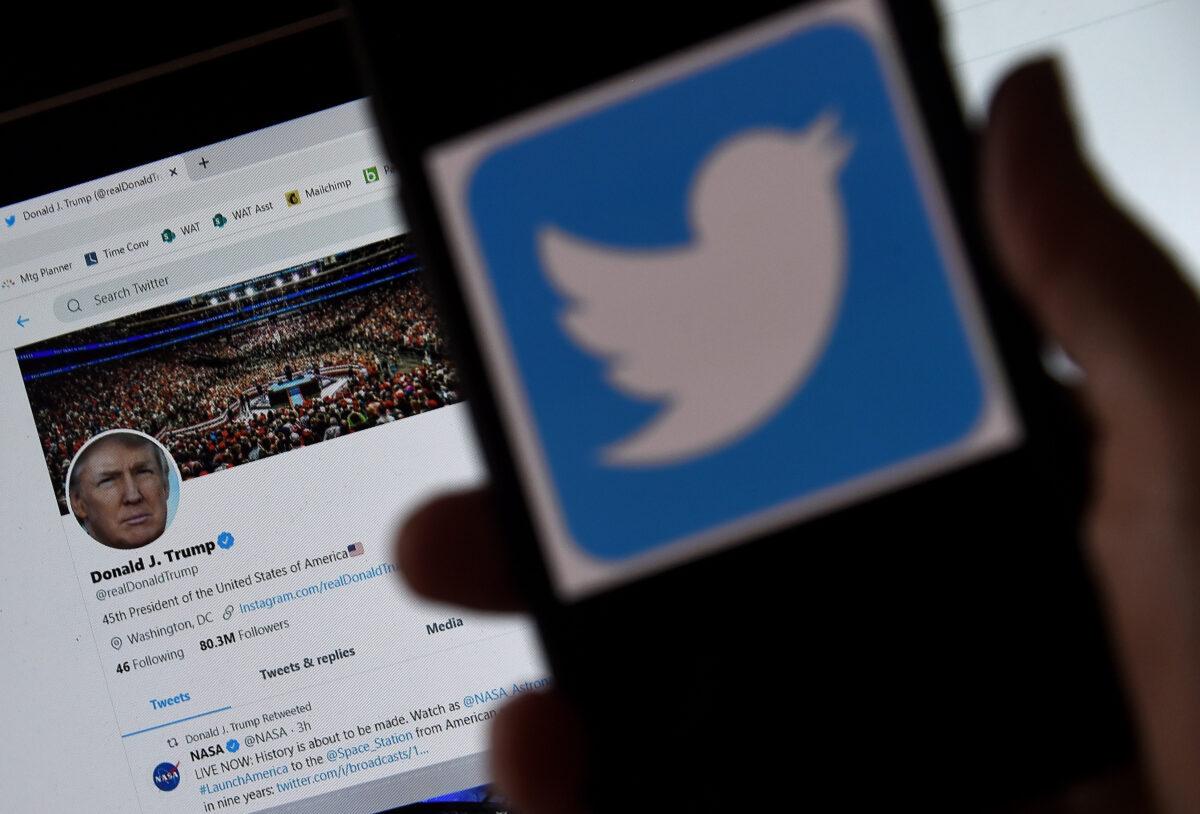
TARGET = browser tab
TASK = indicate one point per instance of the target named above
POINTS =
(86, 200)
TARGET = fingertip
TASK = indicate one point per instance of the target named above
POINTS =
(1035, 83)
(1031, 160)
(451, 550)
(537, 753)
(1090, 274)
(418, 532)
(1042, 203)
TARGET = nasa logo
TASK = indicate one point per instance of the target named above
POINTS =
(166, 776)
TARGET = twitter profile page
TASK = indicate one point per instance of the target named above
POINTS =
(202, 498)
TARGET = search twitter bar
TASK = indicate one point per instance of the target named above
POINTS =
(186, 277)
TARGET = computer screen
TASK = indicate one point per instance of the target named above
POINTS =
(223, 385)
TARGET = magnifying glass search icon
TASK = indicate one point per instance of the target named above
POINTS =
(73, 306)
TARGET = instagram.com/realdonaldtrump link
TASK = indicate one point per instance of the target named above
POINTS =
(345, 579)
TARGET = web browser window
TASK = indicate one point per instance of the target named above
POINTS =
(252, 308)
(223, 385)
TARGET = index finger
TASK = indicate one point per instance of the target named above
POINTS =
(451, 550)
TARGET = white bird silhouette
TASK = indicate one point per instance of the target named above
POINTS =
(722, 330)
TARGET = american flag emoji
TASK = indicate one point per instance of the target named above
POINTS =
(355, 549)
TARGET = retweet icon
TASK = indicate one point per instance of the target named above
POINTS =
(764, 270)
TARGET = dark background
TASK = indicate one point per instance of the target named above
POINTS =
(112, 67)
(84, 93)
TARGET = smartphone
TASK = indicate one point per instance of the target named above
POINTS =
(792, 499)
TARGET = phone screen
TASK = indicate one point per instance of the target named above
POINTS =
(721, 294)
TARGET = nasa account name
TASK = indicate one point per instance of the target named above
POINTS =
(144, 564)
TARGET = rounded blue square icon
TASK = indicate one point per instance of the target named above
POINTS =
(723, 293)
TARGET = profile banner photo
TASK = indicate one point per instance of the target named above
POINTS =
(300, 356)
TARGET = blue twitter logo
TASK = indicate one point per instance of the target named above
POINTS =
(723, 294)
(9, 220)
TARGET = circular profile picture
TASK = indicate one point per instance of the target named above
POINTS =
(123, 488)
(166, 776)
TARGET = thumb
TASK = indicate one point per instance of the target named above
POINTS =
(1089, 273)
(1124, 312)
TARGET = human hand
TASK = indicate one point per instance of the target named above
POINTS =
(1111, 297)
(1125, 314)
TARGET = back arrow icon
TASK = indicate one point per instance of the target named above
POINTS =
(21, 321)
